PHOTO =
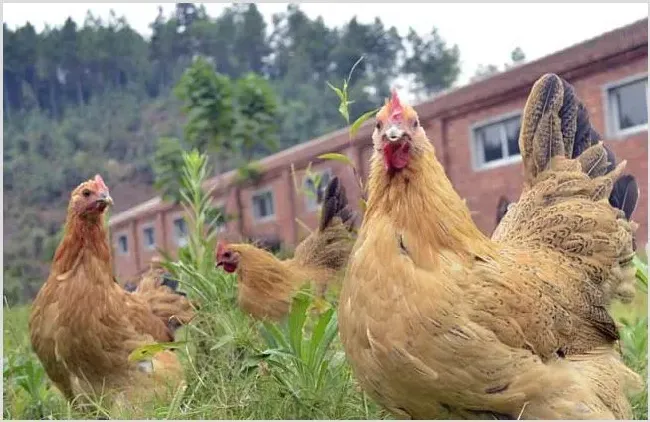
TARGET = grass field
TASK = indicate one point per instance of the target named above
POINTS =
(237, 369)
(228, 383)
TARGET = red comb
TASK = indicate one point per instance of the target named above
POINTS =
(221, 245)
(100, 182)
(395, 106)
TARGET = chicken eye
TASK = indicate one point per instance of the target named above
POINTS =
(86, 193)
(416, 124)
(378, 125)
(227, 255)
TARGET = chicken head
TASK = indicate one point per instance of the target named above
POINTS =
(91, 198)
(397, 133)
(226, 257)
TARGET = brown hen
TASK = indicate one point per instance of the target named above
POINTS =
(439, 321)
(83, 325)
(266, 284)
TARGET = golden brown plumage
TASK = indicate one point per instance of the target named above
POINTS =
(440, 321)
(266, 284)
(83, 325)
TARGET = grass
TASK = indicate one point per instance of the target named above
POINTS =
(250, 371)
(240, 369)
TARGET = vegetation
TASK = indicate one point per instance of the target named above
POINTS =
(96, 96)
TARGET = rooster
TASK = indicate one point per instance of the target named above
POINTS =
(266, 284)
(83, 325)
(440, 321)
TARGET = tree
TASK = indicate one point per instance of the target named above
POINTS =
(434, 65)
(255, 130)
(233, 120)
(167, 166)
(208, 102)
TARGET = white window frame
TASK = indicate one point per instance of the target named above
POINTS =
(222, 227)
(181, 241)
(118, 249)
(610, 108)
(144, 237)
(477, 156)
(311, 204)
(260, 192)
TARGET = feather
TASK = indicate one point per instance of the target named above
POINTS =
(625, 195)
(335, 203)
(502, 208)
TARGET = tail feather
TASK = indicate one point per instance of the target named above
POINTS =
(502, 208)
(625, 195)
(172, 284)
(556, 123)
(160, 290)
(335, 204)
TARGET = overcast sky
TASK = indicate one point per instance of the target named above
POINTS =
(485, 33)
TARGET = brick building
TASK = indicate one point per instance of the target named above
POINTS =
(474, 129)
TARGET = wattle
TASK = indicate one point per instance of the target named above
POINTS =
(396, 155)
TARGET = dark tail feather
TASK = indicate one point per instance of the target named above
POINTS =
(502, 208)
(172, 284)
(585, 135)
(335, 203)
(625, 192)
(625, 195)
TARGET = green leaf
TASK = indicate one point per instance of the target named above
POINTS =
(149, 350)
(357, 123)
(277, 335)
(296, 321)
(318, 334)
(343, 109)
(337, 90)
(336, 157)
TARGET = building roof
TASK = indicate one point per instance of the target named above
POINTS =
(610, 48)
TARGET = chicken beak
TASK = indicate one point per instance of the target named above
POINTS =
(394, 133)
(105, 198)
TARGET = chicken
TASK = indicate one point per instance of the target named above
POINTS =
(83, 325)
(266, 284)
(439, 321)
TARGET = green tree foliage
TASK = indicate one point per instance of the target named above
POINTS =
(235, 120)
(96, 96)
(208, 102)
(168, 167)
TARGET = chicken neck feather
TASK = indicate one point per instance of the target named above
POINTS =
(426, 211)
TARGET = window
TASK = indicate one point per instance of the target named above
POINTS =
(149, 238)
(263, 208)
(316, 189)
(122, 245)
(180, 231)
(497, 143)
(628, 106)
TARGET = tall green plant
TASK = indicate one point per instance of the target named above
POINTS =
(344, 110)
(302, 356)
(195, 263)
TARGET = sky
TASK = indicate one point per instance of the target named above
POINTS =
(485, 33)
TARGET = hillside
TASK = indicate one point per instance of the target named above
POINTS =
(83, 98)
